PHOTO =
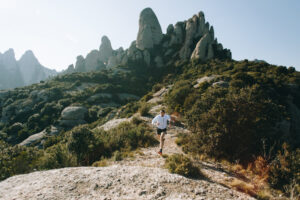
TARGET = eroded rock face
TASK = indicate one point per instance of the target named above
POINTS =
(106, 50)
(201, 50)
(80, 64)
(177, 35)
(191, 32)
(93, 61)
(150, 33)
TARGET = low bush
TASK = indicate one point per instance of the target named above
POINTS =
(182, 165)
(144, 109)
(117, 156)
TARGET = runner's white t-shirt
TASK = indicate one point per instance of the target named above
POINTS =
(161, 121)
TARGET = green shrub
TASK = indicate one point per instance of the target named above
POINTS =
(147, 97)
(144, 109)
(178, 94)
(232, 127)
(182, 165)
(17, 159)
(82, 143)
(129, 109)
(57, 156)
(136, 120)
(157, 87)
(117, 156)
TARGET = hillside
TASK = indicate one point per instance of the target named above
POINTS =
(141, 175)
(236, 123)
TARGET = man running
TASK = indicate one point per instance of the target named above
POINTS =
(161, 122)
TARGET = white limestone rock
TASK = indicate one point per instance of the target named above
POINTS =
(177, 36)
(150, 33)
(201, 49)
(105, 49)
(191, 31)
(93, 61)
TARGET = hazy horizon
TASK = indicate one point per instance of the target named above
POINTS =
(58, 31)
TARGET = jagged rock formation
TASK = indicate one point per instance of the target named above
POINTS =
(23, 72)
(10, 75)
(32, 71)
(105, 49)
(192, 39)
(150, 33)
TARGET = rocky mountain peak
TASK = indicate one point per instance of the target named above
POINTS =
(181, 41)
(105, 49)
(29, 56)
(9, 53)
(9, 58)
(150, 33)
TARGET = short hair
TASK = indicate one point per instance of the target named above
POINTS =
(162, 110)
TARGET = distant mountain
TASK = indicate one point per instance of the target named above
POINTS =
(32, 71)
(10, 75)
(23, 72)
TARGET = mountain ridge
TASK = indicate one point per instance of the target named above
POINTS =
(25, 71)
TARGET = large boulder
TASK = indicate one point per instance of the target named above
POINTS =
(37, 139)
(74, 113)
(105, 49)
(150, 33)
(72, 116)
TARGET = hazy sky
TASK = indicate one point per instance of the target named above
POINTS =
(59, 30)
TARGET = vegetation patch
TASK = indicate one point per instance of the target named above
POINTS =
(182, 165)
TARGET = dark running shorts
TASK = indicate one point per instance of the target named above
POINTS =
(159, 131)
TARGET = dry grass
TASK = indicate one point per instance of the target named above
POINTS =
(252, 179)
(243, 187)
(101, 163)
(264, 194)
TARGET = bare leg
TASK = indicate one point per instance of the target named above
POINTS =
(162, 140)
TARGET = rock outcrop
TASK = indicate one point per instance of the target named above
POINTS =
(80, 64)
(72, 116)
(192, 39)
(37, 139)
(150, 33)
(201, 50)
(105, 50)
(113, 182)
(93, 61)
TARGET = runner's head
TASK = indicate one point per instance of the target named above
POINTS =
(162, 112)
